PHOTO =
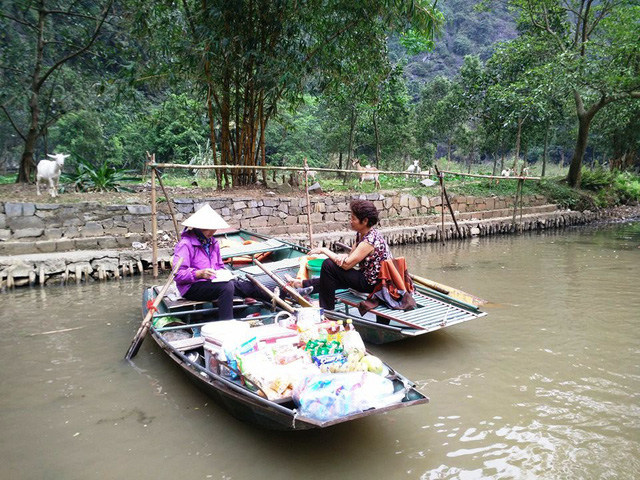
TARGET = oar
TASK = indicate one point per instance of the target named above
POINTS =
(290, 290)
(452, 292)
(271, 295)
(144, 326)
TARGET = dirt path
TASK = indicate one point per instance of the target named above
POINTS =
(141, 194)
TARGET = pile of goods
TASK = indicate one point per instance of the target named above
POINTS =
(322, 366)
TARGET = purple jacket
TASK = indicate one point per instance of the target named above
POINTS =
(195, 258)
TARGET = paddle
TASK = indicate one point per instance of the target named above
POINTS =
(290, 290)
(271, 295)
(144, 326)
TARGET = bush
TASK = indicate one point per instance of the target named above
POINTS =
(102, 178)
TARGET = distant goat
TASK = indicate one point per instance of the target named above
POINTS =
(525, 172)
(415, 168)
(507, 172)
(49, 170)
(367, 173)
(311, 174)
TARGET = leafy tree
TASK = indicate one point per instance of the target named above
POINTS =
(595, 54)
(55, 35)
(246, 57)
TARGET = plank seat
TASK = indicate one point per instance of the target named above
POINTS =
(187, 343)
(250, 249)
(183, 303)
(276, 267)
(430, 313)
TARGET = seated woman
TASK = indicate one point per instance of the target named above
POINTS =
(201, 259)
(369, 250)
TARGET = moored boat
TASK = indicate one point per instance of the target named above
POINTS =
(436, 308)
(176, 330)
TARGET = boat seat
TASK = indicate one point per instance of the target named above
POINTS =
(430, 313)
(183, 303)
(286, 264)
(250, 249)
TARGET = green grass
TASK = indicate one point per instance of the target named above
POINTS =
(5, 179)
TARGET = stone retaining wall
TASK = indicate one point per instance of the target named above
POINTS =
(69, 224)
(87, 265)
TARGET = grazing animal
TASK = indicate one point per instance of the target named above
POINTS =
(507, 172)
(367, 173)
(49, 171)
(312, 174)
(525, 172)
(415, 168)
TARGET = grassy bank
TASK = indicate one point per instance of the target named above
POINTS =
(600, 188)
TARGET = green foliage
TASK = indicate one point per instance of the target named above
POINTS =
(179, 125)
(81, 135)
(597, 179)
(6, 179)
(101, 178)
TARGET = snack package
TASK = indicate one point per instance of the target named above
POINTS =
(333, 395)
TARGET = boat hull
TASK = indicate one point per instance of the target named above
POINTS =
(252, 408)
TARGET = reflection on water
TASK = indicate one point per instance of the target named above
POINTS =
(546, 386)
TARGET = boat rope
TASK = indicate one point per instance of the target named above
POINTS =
(151, 307)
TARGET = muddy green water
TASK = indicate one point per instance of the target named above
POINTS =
(546, 386)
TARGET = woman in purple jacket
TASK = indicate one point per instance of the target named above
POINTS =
(200, 252)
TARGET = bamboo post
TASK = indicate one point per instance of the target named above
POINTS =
(441, 180)
(446, 197)
(152, 159)
(306, 189)
(521, 198)
(515, 203)
(154, 223)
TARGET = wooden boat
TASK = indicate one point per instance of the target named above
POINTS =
(435, 309)
(242, 399)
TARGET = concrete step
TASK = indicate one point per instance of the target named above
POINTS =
(70, 244)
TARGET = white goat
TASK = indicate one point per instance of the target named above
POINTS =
(525, 172)
(367, 173)
(311, 174)
(507, 172)
(415, 168)
(49, 170)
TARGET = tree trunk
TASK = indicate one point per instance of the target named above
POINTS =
(377, 134)
(27, 163)
(495, 163)
(352, 128)
(449, 150)
(545, 151)
(584, 122)
(212, 137)
(515, 159)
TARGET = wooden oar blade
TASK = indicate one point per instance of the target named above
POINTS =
(146, 322)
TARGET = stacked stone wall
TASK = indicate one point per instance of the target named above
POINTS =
(70, 223)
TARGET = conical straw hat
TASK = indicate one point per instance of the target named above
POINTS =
(206, 218)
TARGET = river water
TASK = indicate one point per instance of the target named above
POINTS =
(546, 386)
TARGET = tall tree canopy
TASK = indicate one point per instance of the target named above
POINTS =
(246, 57)
(595, 51)
(40, 40)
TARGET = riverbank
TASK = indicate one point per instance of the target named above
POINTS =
(52, 243)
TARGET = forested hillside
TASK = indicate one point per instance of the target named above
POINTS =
(262, 82)
(468, 30)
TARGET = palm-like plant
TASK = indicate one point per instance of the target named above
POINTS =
(100, 178)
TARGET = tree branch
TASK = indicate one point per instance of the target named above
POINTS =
(15, 127)
(17, 20)
(63, 60)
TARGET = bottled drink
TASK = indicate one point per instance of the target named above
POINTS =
(351, 339)
(340, 331)
(332, 332)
